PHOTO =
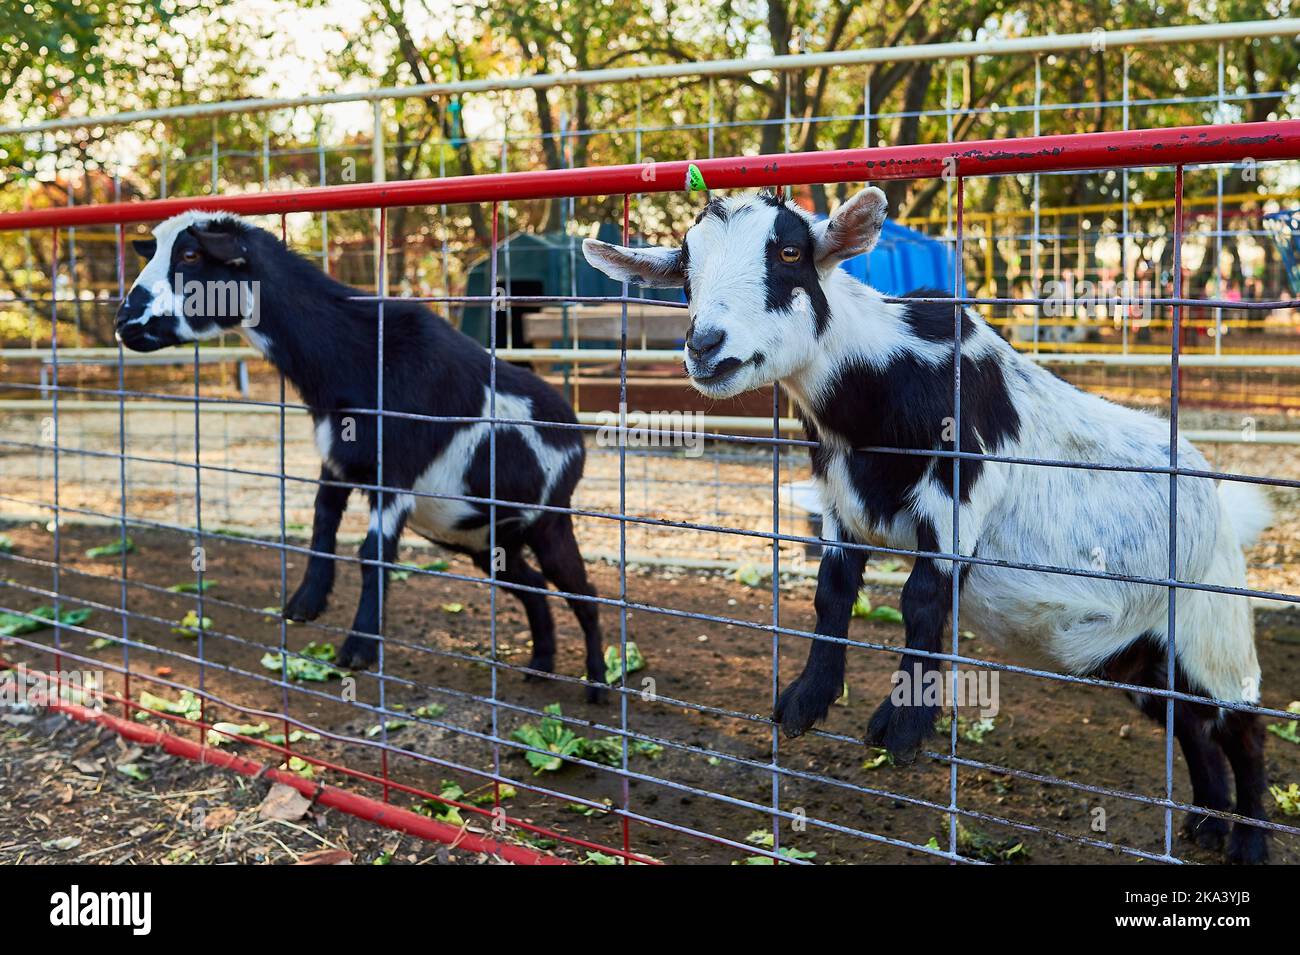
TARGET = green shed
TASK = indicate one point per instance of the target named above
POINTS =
(548, 263)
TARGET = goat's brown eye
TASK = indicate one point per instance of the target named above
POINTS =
(790, 254)
(190, 256)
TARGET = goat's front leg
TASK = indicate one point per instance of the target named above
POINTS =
(808, 699)
(361, 648)
(906, 717)
(308, 601)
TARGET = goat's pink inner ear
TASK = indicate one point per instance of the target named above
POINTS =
(854, 229)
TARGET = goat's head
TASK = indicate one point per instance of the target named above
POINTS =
(195, 283)
(754, 270)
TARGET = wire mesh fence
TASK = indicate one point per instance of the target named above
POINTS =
(179, 526)
(1040, 236)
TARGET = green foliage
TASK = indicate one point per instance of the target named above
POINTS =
(405, 574)
(557, 742)
(974, 844)
(614, 662)
(553, 738)
(444, 811)
(971, 730)
(187, 705)
(391, 726)
(878, 758)
(112, 550)
(223, 733)
(763, 838)
(191, 624)
(16, 625)
(301, 767)
(1288, 800)
(488, 797)
(316, 668)
(1288, 730)
(589, 811)
(191, 588)
(863, 610)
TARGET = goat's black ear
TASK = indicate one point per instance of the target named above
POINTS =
(225, 247)
(145, 248)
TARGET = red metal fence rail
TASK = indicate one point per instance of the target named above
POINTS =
(1175, 148)
(1130, 149)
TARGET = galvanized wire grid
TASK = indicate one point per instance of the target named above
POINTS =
(621, 604)
(776, 447)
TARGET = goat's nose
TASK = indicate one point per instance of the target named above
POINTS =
(132, 307)
(704, 344)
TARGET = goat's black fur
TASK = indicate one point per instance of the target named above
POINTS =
(327, 344)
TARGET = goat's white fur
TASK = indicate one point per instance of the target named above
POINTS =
(437, 518)
(1116, 522)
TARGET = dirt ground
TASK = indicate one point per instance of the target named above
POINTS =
(63, 800)
(713, 775)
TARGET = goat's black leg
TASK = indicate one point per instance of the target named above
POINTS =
(906, 718)
(1208, 773)
(1206, 768)
(361, 648)
(1242, 737)
(540, 623)
(308, 601)
(552, 540)
(808, 699)
(1144, 663)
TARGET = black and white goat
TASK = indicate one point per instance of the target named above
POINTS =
(327, 345)
(769, 304)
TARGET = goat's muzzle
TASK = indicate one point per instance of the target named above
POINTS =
(132, 324)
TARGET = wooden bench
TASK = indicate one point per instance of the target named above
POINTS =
(648, 326)
(178, 357)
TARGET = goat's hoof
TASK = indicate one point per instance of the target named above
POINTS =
(1248, 845)
(597, 693)
(803, 703)
(900, 729)
(544, 664)
(307, 603)
(1208, 832)
(358, 653)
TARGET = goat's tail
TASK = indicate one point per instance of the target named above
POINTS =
(1247, 509)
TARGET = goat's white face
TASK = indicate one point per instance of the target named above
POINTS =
(753, 269)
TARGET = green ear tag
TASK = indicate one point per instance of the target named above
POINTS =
(695, 179)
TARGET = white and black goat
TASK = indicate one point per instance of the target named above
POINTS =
(769, 304)
(326, 343)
